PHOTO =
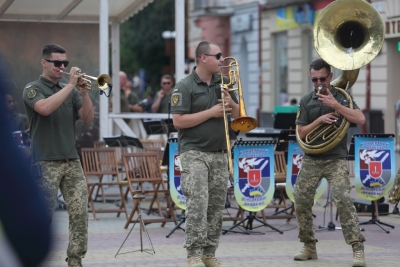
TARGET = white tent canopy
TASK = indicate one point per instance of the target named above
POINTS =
(69, 11)
(93, 11)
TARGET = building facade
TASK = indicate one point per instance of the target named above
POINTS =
(273, 42)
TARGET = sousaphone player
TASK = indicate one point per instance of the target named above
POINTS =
(347, 35)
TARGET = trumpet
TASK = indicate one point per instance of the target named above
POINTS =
(102, 80)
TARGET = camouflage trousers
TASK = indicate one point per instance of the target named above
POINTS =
(336, 173)
(204, 180)
(69, 177)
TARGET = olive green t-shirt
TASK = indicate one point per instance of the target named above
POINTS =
(52, 136)
(192, 95)
(310, 108)
(164, 104)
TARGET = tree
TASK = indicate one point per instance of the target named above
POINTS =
(142, 46)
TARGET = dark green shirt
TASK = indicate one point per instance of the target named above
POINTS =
(310, 109)
(132, 99)
(164, 104)
(192, 95)
(52, 136)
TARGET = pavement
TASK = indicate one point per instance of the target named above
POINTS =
(262, 247)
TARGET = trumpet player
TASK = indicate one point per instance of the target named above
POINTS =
(51, 107)
(197, 113)
(324, 105)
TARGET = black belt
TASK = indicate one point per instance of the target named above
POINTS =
(219, 151)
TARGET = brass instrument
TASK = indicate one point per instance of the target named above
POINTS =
(102, 80)
(243, 123)
(394, 192)
(348, 34)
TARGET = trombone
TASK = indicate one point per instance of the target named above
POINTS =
(102, 80)
(243, 123)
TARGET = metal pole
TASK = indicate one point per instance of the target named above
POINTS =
(103, 34)
(368, 83)
(179, 39)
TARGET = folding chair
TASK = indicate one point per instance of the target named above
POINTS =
(100, 162)
(141, 168)
(147, 143)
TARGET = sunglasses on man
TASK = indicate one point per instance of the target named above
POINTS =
(217, 56)
(58, 63)
(321, 79)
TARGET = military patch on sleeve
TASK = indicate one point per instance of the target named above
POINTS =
(31, 93)
(298, 114)
(176, 99)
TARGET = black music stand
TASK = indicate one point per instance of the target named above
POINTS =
(122, 141)
(374, 204)
(165, 126)
(285, 121)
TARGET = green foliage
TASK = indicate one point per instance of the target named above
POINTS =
(142, 45)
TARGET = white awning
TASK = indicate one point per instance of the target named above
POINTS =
(68, 11)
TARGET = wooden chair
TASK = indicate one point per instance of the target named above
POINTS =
(148, 143)
(142, 168)
(100, 162)
(99, 144)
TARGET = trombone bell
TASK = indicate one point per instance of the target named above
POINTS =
(244, 124)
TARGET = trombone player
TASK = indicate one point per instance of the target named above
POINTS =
(197, 113)
(324, 106)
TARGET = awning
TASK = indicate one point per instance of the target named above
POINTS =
(68, 11)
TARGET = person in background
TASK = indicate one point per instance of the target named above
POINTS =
(16, 120)
(162, 101)
(196, 110)
(52, 107)
(133, 100)
(293, 102)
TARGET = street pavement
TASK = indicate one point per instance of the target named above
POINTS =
(262, 247)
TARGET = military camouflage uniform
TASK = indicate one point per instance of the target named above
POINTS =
(331, 165)
(204, 174)
(53, 147)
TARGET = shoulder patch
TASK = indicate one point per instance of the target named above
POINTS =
(176, 99)
(31, 93)
(298, 113)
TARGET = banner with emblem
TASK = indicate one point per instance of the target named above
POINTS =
(295, 158)
(374, 166)
(254, 182)
(175, 177)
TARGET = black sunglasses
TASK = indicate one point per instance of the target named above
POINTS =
(58, 63)
(322, 79)
(217, 56)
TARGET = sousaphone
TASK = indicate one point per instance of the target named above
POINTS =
(348, 34)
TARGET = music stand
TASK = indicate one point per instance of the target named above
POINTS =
(139, 197)
(155, 126)
(122, 141)
(285, 121)
(374, 217)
